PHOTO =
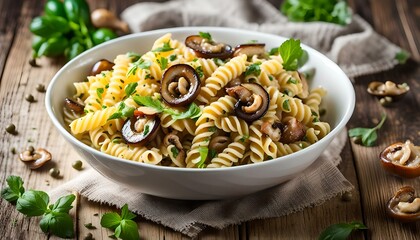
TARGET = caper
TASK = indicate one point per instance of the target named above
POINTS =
(31, 149)
(33, 63)
(77, 165)
(322, 111)
(357, 140)
(89, 226)
(11, 128)
(40, 88)
(29, 98)
(88, 236)
(54, 172)
(13, 150)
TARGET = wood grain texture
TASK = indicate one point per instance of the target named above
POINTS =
(395, 19)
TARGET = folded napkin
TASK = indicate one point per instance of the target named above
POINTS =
(355, 47)
(318, 183)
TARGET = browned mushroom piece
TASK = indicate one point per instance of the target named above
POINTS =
(250, 49)
(180, 85)
(253, 101)
(101, 65)
(35, 159)
(234, 82)
(293, 131)
(204, 48)
(402, 159)
(103, 18)
(219, 143)
(404, 205)
(172, 139)
(139, 130)
(388, 91)
(73, 105)
(273, 130)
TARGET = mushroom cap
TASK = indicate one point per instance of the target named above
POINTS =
(387, 89)
(257, 90)
(194, 42)
(250, 49)
(394, 167)
(405, 194)
(131, 136)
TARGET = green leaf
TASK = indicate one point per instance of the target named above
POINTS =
(165, 48)
(123, 111)
(115, 115)
(141, 63)
(63, 204)
(292, 81)
(130, 88)
(341, 13)
(173, 57)
(99, 92)
(15, 189)
(368, 135)
(33, 203)
(286, 105)
(192, 112)
(148, 101)
(174, 152)
(129, 230)
(206, 35)
(163, 62)
(146, 130)
(111, 220)
(290, 51)
(126, 214)
(204, 151)
(253, 69)
(340, 231)
(402, 56)
(57, 223)
(199, 71)
(274, 51)
(49, 26)
(303, 58)
(134, 56)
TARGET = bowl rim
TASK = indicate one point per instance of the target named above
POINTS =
(69, 137)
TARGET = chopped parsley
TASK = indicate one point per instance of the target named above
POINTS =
(253, 69)
(165, 48)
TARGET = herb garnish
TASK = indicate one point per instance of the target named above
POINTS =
(367, 135)
(253, 69)
(165, 48)
(204, 151)
(122, 111)
(402, 56)
(55, 217)
(122, 225)
(192, 112)
(130, 88)
(206, 35)
(141, 63)
(175, 151)
(290, 51)
(163, 62)
(99, 92)
(340, 231)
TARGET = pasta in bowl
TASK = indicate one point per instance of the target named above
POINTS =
(179, 113)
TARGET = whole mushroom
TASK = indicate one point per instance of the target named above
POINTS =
(205, 48)
(103, 18)
(35, 159)
(402, 159)
(404, 205)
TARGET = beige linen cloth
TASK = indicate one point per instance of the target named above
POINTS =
(356, 48)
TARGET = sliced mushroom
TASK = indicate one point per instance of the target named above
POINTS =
(252, 103)
(172, 139)
(388, 89)
(404, 205)
(234, 82)
(101, 65)
(293, 131)
(273, 130)
(219, 143)
(250, 50)
(74, 105)
(180, 85)
(140, 130)
(208, 49)
(35, 159)
(103, 18)
(402, 159)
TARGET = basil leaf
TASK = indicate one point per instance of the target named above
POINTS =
(340, 231)
(290, 51)
(206, 35)
(63, 204)
(303, 58)
(192, 112)
(129, 230)
(126, 214)
(110, 220)
(33, 203)
(367, 135)
(57, 223)
(130, 88)
(15, 189)
(402, 56)
(149, 102)
(203, 156)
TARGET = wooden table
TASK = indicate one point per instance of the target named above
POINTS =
(398, 20)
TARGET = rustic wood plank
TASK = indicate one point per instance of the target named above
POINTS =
(303, 225)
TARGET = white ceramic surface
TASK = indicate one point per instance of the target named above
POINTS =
(182, 183)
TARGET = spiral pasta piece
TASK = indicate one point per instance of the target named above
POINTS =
(91, 120)
(82, 89)
(202, 137)
(232, 69)
(314, 98)
(230, 155)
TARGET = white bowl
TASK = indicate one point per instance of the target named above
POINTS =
(200, 184)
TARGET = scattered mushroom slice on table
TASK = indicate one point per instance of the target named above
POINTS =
(35, 159)
(387, 92)
(180, 85)
(204, 48)
(404, 205)
(253, 101)
(402, 159)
